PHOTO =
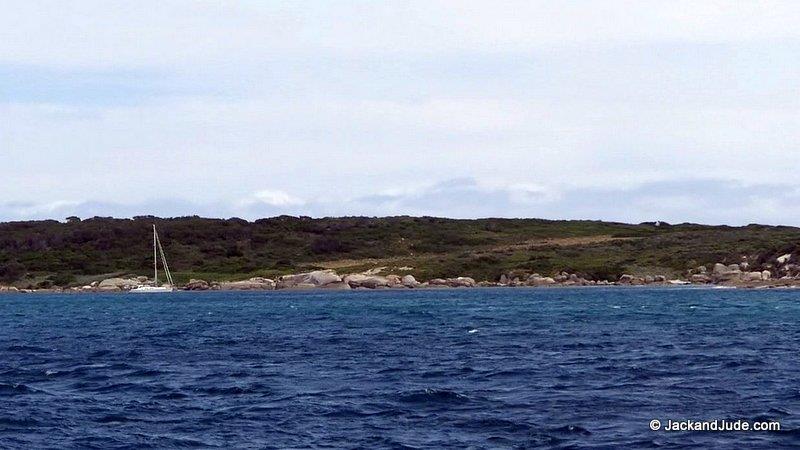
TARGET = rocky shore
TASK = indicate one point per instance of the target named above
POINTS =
(781, 273)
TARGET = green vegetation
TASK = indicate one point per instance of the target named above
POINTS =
(52, 253)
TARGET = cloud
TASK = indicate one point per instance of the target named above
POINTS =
(691, 200)
(96, 33)
(374, 108)
(276, 198)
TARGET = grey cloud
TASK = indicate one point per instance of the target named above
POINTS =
(692, 200)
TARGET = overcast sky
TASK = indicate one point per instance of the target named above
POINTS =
(630, 111)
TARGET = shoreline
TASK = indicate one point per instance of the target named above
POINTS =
(686, 286)
(720, 276)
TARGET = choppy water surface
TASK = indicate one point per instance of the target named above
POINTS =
(481, 368)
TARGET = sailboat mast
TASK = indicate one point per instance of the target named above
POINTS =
(155, 256)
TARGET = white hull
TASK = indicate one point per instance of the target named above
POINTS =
(155, 288)
(151, 289)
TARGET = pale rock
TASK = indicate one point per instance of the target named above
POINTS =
(366, 281)
(409, 281)
(394, 280)
(461, 282)
(293, 281)
(375, 282)
(700, 278)
(355, 279)
(766, 275)
(117, 284)
(323, 277)
(253, 284)
(720, 269)
(541, 281)
(726, 273)
(751, 276)
(784, 258)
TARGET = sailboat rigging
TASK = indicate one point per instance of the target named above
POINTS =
(158, 250)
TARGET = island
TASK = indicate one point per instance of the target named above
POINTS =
(103, 254)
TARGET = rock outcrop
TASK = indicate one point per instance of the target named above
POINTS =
(538, 280)
(763, 274)
(700, 278)
(409, 281)
(722, 273)
(118, 284)
(321, 278)
(750, 276)
(253, 284)
(461, 282)
(309, 280)
(197, 285)
(295, 281)
(360, 280)
(394, 280)
(437, 282)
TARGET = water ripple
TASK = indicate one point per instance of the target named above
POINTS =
(488, 368)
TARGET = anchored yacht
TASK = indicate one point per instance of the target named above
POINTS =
(157, 250)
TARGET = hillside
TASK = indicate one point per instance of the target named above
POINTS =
(42, 253)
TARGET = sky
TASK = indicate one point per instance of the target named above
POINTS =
(612, 110)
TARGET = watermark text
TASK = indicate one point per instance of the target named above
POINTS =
(714, 425)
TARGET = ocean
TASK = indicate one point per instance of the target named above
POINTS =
(468, 368)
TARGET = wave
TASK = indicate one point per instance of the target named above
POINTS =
(433, 396)
(11, 389)
(116, 418)
(27, 349)
(234, 390)
(170, 396)
(15, 422)
(572, 429)
(559, 369)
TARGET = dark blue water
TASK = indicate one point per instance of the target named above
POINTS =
(481, 368)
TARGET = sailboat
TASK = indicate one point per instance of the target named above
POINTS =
(157, 249)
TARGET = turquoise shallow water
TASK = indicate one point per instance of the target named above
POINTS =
(480, 368)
